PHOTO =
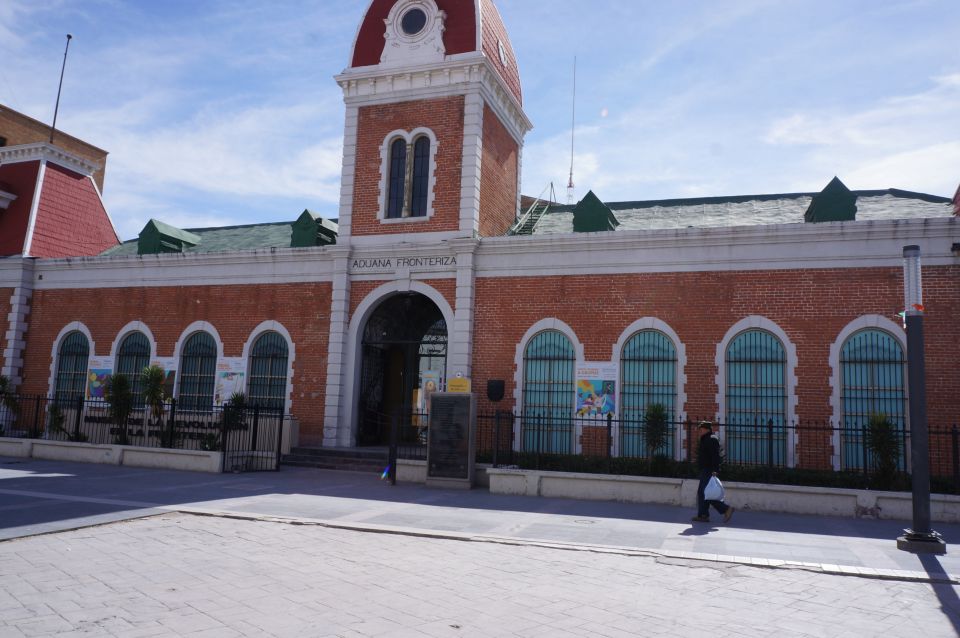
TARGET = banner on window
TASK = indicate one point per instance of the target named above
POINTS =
(596, 389)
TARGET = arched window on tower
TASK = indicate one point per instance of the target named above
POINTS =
(397, 178)
(198, 367)
(421, 175)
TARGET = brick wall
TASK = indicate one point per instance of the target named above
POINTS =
(360, 290)
(498, 177)
(20, 129)
(811, 306)
(444, 116)
(303, 309)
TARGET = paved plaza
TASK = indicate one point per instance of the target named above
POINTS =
(108, 551)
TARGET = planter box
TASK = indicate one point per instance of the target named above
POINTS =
(19, 448)
(820, 501)
(166, 459)
(76, 452)
(159, 458)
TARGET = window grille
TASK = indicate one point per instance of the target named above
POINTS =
(71, 380)
(397, 176)
(198, 366)
(648, 369)
(872, 366)
(268, 372)
(756, 399)
(548, 393)
(421, 173)
(132, 358)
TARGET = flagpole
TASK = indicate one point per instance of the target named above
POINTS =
(56, 108)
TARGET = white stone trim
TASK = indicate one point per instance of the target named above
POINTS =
(542, 326)
(73, 326)
(401, 49)
(189, 331)
(335, 397)
(757, 322)
(471, 164)
(865, 322)
(14, 342)
(460, 335)
(348, 172)
(479, 22)
(271, 326)
(409, 137)
(34, 208)
(45, 152)
(865, 244)
(652, 323)
(346, 437)
(133, 326)
(96, 190)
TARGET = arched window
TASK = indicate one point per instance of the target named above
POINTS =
(268, 372)
(198, 367)
(132, 357)
(71, 368)
(397, 178)
(548, 393)
(872, 372)
(756, 399)
(648, 368)
(421, 175)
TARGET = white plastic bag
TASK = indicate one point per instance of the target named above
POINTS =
(714, 490)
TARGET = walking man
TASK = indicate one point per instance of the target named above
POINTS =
(708, 460)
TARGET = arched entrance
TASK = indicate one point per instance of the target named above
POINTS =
(404, 349)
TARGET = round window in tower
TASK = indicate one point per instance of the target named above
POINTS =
(413, 21)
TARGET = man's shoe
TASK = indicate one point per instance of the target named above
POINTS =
(700, 519)
(728, 515)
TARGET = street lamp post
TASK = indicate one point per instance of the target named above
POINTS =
(920, 538)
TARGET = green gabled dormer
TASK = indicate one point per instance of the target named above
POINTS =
(311, 229)
(157, 237)
(835, 203)
(591, 215)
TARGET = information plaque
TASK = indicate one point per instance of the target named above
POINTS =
(451, 443)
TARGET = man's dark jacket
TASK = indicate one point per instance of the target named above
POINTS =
(708, 454)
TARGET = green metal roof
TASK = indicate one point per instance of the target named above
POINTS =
(223, 239)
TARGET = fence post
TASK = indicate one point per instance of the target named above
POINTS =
(955, 440)
(79, 417)
(36, 419)
(392, 456)
(770, 442)
(280, 419)
(609, 442)
(496, 439)
(224, 432)
(171, 424)
(863, 446)
(256, 427)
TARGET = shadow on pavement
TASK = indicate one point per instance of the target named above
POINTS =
(946, 594)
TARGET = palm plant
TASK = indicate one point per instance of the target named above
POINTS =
(656, 429)
(152, 380)
(883, 443)
(8, 404)
(120, 396)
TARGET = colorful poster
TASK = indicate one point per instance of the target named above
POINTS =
(230, 379)
(429, 383)
(596, 389)
(97, 382)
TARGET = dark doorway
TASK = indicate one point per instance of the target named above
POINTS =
(403, 356)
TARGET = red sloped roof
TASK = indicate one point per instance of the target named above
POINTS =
(71, 219)
(20, 180)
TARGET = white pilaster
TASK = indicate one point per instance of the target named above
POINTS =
(347, 173)
(460, 358)
(472, 159)
(337, 347)
(17, 324)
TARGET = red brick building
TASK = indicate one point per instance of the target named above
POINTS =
(769, 309)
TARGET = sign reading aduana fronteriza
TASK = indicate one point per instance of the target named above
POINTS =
(395, 263)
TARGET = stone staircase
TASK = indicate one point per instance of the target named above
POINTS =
(363, 459)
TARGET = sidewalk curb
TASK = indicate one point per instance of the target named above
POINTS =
(763, 563)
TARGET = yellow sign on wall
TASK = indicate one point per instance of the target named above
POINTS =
(458, 384)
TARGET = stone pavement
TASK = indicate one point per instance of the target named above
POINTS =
(303, 553)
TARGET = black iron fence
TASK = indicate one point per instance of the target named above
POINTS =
(847, 450)
(249, 437)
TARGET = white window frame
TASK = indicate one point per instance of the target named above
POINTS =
(409, 137)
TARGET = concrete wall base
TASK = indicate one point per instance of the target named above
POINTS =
(159, 458)
(793, 499)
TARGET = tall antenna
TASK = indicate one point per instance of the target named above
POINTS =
(573, 122)
(59, 88)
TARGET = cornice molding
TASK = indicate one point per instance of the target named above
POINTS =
(6, 199)
(457, 74)
(42, 151)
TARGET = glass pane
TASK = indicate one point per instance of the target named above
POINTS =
(268, 372)
(71, 381)
(397, 175)
(421, 174)
(198, 372)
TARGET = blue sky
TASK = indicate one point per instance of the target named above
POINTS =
(225, 111)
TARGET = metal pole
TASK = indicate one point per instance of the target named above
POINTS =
(496, 439)
(63, 67)
(920, 538)
(394, 442)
